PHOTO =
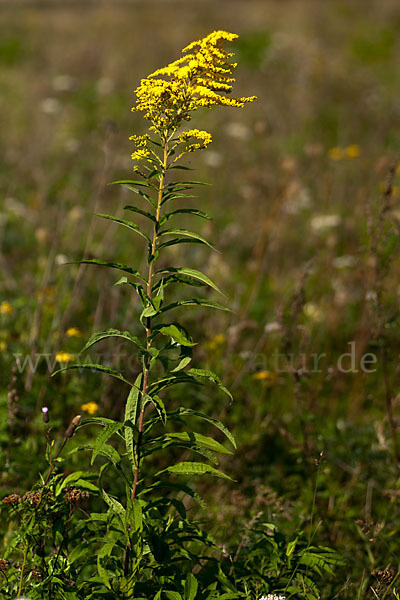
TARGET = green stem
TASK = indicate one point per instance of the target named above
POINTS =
(148, 319)
(21, 581)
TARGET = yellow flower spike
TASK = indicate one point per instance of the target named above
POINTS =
(6, 308)
(353, 151)
(90, 407)
(73, 332)
(64, 357)
(171, 94)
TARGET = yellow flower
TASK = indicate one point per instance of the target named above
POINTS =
(90, 407)
(398, 169)
(3, 346)
(64, 357)
(353, 151)
(216, 341)
(6, 308)
(73, 332)
(336, 153)
(199, 79)
(264, 376)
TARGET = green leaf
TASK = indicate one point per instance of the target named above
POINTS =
(202, 373)
(190, 587)
(99, 368)
(112, 265)
(175, 242)
(193, 468)
(159, 405)
(132, 410)
(195, 302)
(132, 182)
(176, 332)
(103, 437)
(125, 223)
(104, 552)
(145, 213)
(183, 211)
(172, 595)
(187, 233)
(193, 273)
(194, 413)
(185, 358)
(175, 486)
(101, 335)
(200, 440)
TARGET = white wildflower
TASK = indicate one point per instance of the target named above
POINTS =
(272, 326)
(50, 106)
(105, 86)
(62, 83)
(213, 159)
(272, 597)
(344, 262)
(323, 222)
(238, 131)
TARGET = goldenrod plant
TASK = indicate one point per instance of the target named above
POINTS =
(144, 545)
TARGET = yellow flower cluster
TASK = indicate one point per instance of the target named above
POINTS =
(142, 150)
(185, 142)
(90, 407)
(199, 79)
(6, 308)
(64, 357)
(352, 151)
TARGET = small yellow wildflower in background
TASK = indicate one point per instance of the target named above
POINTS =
(264, 376)
(6, 308)
(336, 153)
(73, 332)
(3, 346)
(216, 341)
(64, 357)
(312, 311)
(90, 407)
(353, 151)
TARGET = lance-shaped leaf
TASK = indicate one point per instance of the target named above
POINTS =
(129, 224)
(103, 438)
(195, 302)
(180, 444)
(112, 265)
(185, 358)
(181, 487)
(192, 438)
(176, 332)
(187, 233)
(132, 410)
(139, 289)
(101, 335)
(205, 374)
(185, 211)
(93, 367)
(192, 273)
(194, 413)
(159, 405)
(193, 468)
(133, 182)
(145, 213)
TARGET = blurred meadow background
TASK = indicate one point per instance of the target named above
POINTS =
(305, 197)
